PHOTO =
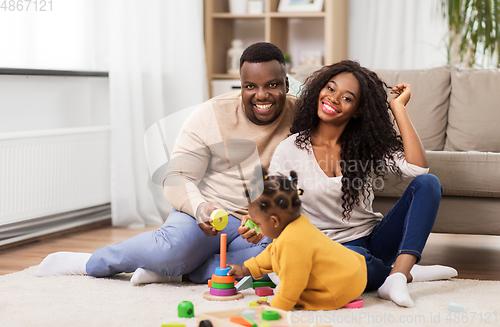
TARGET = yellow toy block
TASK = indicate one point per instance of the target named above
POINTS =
(254, 303)
(173, 324)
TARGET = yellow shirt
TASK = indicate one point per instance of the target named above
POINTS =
(315, 272)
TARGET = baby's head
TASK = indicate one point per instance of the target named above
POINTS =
(278, 205)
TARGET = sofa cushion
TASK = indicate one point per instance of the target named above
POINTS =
(474, 114)
(458, 214)
(461, 174)
(428, 106)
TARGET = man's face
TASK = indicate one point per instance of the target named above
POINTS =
(263, 90)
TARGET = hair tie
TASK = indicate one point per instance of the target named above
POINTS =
(265, 176)
(300, 191)
(290, 178)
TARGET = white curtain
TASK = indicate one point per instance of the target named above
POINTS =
(156, 67)
(397, 34)
(61, 35)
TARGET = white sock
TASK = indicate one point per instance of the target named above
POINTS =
(64, 263)
(144, 276)
(396, 290)
(428, 273)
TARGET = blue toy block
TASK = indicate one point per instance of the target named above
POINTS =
(248, 313)
(455, 307)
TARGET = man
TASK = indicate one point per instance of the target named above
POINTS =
(215, 153)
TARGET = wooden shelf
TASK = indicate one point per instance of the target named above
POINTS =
(297, 14)
(274, 27)
(227, 15)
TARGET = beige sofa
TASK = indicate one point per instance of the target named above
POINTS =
(456, 113)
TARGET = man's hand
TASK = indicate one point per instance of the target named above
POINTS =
(238, 271)
(249, 234)
(203, 217)
(208, 229)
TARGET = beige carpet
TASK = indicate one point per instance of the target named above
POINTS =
(27, 300)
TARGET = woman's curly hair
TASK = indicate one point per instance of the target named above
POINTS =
(366, 142)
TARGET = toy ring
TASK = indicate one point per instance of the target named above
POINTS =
(219, 219)
(356, 304)
(250, 224)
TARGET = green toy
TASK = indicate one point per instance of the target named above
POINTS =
(270, 315)
(185, 309)
(263, 284)
(250, 224)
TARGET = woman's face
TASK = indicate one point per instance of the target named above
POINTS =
(339, 99)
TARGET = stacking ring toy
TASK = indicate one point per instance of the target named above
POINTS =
(228, 292)
(222, 271)
(251, 224)
(356, 304)
(219, 219)
(222, 279)
(270, 315)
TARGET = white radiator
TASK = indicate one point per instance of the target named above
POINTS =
(50, 172)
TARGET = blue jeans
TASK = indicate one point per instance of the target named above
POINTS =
(176, 248)
(404, 229)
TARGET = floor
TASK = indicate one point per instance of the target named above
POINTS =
(474, 256)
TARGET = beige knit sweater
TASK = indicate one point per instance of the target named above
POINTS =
(216, 153)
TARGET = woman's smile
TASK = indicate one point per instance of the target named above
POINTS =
(329, 109)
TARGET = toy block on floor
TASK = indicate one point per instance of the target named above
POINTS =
(264, 291)
(254, 303)
(185, 309)
(244, 283)
(205, 323)
(173, 324)
(263, 284)
(455, 307)
(222, 318)
(270, 315)
(251, 322)
(249, 313)
(240, 321)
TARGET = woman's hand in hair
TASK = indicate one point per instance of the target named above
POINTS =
(402, 95)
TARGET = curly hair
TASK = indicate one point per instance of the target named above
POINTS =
(279, 191)
(368, 139)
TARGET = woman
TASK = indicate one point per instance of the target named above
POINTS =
(343, 142)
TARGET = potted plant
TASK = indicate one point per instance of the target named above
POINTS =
(474, 30)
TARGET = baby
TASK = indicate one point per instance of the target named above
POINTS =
(315, 272)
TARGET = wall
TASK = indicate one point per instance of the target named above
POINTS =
(30, 103)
